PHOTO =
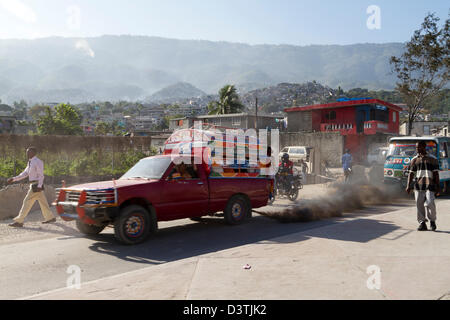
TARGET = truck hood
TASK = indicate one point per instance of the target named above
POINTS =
(110, 184)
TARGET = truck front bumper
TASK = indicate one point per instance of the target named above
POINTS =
(71, 211)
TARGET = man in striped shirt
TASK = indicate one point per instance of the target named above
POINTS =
(425, 169)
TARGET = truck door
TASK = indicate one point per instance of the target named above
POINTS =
(185, 196)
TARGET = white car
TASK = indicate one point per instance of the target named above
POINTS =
(377, 156)
(296, 153)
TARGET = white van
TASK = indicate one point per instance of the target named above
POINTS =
(296, 153)
(377, 156)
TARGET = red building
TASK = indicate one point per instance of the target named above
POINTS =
(356, 119)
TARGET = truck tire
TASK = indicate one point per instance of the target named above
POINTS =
(88, 229)
(237, 211)
(134, 225)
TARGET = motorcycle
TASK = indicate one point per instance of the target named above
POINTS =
(285, 187)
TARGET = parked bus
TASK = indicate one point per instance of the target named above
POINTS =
(403, 149)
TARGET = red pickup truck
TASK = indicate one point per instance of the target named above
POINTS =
(160, 188)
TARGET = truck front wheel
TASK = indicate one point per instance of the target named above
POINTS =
(237, 211)
(89, 229)
(134, 225)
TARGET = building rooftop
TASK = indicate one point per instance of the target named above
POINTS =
(342, 104)
(237, 115)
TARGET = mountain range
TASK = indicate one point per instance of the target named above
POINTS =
(112, 68)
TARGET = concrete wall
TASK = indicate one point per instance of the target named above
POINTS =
(419, 127)
(17, 144)
(244, 122)
(300, 121)
(11, 198)
(328, 146)
(187, 123)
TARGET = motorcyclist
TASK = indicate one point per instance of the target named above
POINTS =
(286, 171)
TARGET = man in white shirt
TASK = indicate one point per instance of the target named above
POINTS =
(35, 173)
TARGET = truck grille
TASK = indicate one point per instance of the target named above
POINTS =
(73, 196)
(106, 196)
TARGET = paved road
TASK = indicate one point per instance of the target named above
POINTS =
(35, 260)
(31, 267)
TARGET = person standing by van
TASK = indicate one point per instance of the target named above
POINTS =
(425, 169)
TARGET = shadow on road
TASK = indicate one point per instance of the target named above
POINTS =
(64, 229)
(212, 235)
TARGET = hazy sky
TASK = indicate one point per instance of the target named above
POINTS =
(297, 22)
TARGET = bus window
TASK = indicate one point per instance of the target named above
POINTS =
(408, 148)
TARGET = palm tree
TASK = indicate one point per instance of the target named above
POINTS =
(228, 102)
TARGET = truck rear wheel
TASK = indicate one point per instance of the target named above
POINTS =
(89, 229)
(134, 225)
(237, 211)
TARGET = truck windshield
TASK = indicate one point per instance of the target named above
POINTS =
(408, 148)
(150, 168)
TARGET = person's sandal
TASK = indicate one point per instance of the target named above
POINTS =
(49, 221)
(16, 225)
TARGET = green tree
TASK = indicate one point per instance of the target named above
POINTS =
(423, 69)
(36, 111)
(174, 108)
(64, 120)
(440, 103)
(20, 105)
(102, 128)
(228, 103)
(46, 124)
(5, 108)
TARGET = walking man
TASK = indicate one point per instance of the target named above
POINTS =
(347, 164)
(35, 173)
(425, 169)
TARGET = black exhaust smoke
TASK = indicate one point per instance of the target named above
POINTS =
(339, 199)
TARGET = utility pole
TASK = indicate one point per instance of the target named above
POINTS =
(256, 113)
